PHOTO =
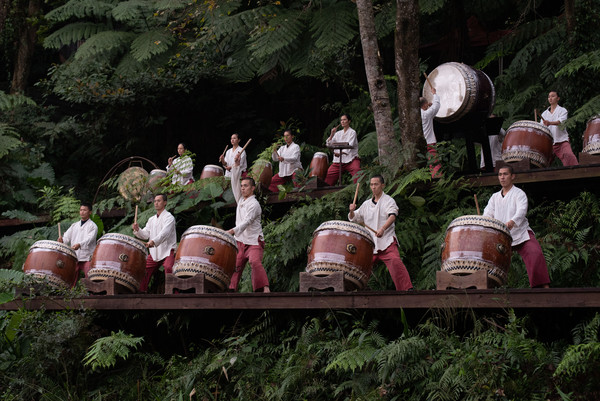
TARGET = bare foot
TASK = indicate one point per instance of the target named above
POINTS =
(266, 289)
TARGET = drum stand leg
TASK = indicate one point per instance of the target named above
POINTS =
(476, 280)
(334, 281)
(198, 284)
(104, 287)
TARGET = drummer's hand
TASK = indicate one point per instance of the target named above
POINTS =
(150, 244)
(352, 207)
(433, 91)
(510, 224)
(170, 160)
(76, 247)
(60, 239)
(545, 122)
(232, 232)
(280, 158)
(135, 227)
(334, 130)
(221, 158)
(237, 161)
(228, 168)
(379, 232)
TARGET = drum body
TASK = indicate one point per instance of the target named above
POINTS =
(262, 172)
(477, 243)
(319, 165)
(119, 256)
(211, 170)
(591, 136)
(462, 90)
(342, 246)
(52, 261)
(528, 140)
(155, 180)
(207, 250)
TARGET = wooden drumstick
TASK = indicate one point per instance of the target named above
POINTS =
(59, 233)
(366, 226)
(244, 148)
(427, 79)
(476, 204)
(135, 216)
(535, 115)
(223, 155)
(356, 193)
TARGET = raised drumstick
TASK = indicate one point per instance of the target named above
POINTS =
(223, 155)
(356, 193)
(244, 148)
(135, 216)
(59, 234)
(535, 115)
(427, 79)
(476, 204)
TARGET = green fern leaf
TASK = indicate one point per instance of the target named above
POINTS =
(150, 44)
(104, 351)
(9, 139)
(430, 6)
(10, 102)
(589, 61)
(131, 10)
(80, 9)
(334, 26)
(582, 114)
(105, 43)
(72, 33)
(19, 214)
(276, 35)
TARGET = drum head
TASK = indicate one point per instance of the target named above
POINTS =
(136, 243)
(451, 86)
(54, 246)
(534, 125)
(211, 232)
(132, 183)
(483, 221)
(348, 226)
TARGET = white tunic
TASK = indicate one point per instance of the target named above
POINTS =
(495, 148)
(247, 214)
(427, 120)
(161, 230)
(375, 215)
(185, 166)
(512, 206)
(84, 235)
(347, 154)
(230, 160)
(560, 114)
(291, 159)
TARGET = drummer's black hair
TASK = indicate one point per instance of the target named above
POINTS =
(164, 196)
(380, 178)
(183, 144)
(509, 167)
(252, 182)
(86, 204)
(347, 116)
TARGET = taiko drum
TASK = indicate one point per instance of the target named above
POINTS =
(207, 250)
(342, 246)
(319, 165)
(591, 136)
(211, 170)
(52, 261)
(462, 90)
(477, 243)
(262, 172)
(528, 140)
(155, 179)
(121, 257)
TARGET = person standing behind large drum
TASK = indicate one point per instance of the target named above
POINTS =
(229, 159)
(288, 156)
(509, 205)
(552, 117)
(379, 213)
(81, 236)
(346, 159)
(162, 240)
(247, 232)
(181, 168)
(428, 111)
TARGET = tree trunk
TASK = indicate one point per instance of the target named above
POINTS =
(380, 102)
(570, 16)
(25, 47)
(407, 70)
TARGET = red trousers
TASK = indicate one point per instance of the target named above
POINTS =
(152, 266)
(254, 254)
(532, 255)
(563, 151)
(81, 267)
(432, 158)
(277, 180)
(391, 257)
(333, 172)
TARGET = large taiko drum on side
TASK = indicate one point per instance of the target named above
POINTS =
(591, 136)
(528, 140)
(119, 256)
(52, 261)
(155, 180)
(207, 250)
(211, 170)
(477, 243)
(262, 172)
(132, 183)
(319, 165)
(342, 246)
(462, 90)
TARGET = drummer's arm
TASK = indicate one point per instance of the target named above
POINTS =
(489, 208)
(355, 214)
(141, 233)
(521, 209)
(236, 172)
(253, 212)
(90, 234)
(390, 220)
(167, 229)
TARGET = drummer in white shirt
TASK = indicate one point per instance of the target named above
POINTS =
(509, 205)
(379, 214)
(229, 159)
(288, 157)
(81, 236)
(247, 232)
(552, 118)
(162, 240)
(428, 112)
(181, 168)
(346, 159)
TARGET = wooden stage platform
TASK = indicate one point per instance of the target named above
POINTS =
(501, 299)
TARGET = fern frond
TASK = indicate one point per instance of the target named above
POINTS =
(334, 26)
(9, 139)
(72, 33)
(430, 6)
(80, 9)
(131, 10)
(582, 114)
(281, 30)
(589, 61)
(150, 43)
(385, 19)
(105, 43)
(10, 102)
(104, 352)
